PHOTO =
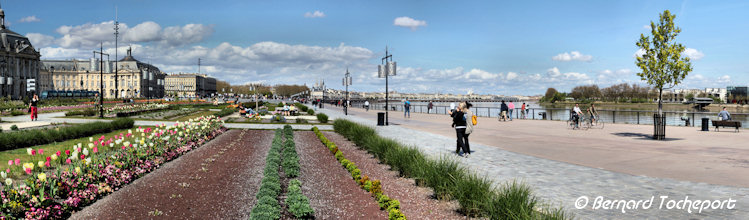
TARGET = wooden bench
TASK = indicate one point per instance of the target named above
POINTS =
(734, 124)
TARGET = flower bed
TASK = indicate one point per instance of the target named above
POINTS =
(68, 181)
(372, 186)
(130, 109)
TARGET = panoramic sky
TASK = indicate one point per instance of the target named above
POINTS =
(484, 47)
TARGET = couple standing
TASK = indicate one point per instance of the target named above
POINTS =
(463, 122)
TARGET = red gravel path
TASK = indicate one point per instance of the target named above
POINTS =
(216, 181)
(416, 202)
(332, 192)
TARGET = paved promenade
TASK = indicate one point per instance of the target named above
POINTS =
(617, 162)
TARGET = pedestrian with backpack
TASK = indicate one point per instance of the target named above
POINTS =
(459, 123)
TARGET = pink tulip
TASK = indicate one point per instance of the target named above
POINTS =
(96, 142)
(33, 152)
(10, 162)
(68, 161)
(79, 149)
(48, 159)
(83, 156)
(123, 147)
(28, 171)
(96, 149)
(58, 153)
(47, 163)
(18, 161)
(67, 152)
(7, 170)
(101, 138)
(41, 151)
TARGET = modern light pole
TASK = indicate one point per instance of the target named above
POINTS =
(101, 78)
(383, 71)
(346, 82)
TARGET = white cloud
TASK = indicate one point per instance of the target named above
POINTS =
(638, 53)
(408, 22)
(647, 26)
(40, 40)
(725, 79)
(693, 54)
(512, 75)
(315, 14)
(32, 18)
(90, 35)
(572, 56)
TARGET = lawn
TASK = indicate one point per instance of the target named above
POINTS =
(50, 149)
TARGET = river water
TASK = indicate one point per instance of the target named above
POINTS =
(676, 114)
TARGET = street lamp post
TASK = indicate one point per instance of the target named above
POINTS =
(383, 71)
(346, 82)
(101, 78)
(52, 76)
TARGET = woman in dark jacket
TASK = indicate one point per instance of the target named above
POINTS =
(459, 123)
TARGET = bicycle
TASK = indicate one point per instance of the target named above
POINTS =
(599, 122)
(581, 123)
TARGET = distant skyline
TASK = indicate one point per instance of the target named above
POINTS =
(488, 47)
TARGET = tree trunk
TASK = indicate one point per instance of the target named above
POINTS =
(660, 101)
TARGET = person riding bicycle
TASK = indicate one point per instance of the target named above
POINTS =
(593, 113)
(576, 113)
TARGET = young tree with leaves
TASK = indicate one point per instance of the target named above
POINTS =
(662, 63)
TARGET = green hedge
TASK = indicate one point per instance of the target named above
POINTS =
(475, 194)
(84, 112)
(267, 206)
(30, 138)
(225, 112)
(322, 118)
(301, 107)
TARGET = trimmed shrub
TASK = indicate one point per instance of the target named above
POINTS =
(322, 118)
(225, 112)
(310, 112)
(14, 127)
(83, 112)
(30, 138)
(16, 113)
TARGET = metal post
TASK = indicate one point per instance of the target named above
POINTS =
(101, 78)
(116, 36)
(638, 118)
(613, 119)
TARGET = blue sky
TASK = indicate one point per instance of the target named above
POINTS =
(487, 47)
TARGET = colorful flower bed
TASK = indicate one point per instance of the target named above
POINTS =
(131, 108)
(374, 187)
(28, 138)
(63, 182)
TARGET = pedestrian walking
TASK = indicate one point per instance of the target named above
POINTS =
(32, 108)
(407, 109)
(510, 107)
(469, 117)
(366, 105)
(503, 111)
(429, 107)
(522, 110)
(459, 123)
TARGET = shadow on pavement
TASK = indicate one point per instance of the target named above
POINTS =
(642, 136)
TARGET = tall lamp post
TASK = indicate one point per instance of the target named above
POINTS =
(101, 78)
(346, 82)
(383, 71)
(52, 76)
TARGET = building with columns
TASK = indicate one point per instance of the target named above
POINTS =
(135, 79)
(19, 64)
(190, 85)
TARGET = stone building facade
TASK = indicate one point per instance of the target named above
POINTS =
(190, 85)
(135, 79)
(19, 64)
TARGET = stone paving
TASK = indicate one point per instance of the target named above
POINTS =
(562, 184)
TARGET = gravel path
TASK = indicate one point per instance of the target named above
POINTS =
(332, 192)
(216, 181)
(416, 202)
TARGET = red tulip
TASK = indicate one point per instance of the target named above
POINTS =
(67, 152)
